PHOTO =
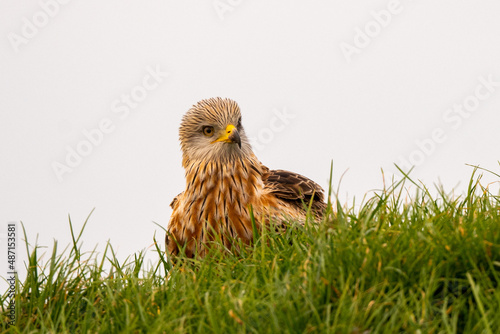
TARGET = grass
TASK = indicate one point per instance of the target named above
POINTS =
(398, 263)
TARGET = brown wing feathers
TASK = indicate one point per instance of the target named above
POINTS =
(296, 189)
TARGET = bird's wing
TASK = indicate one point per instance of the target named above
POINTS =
(296, 189)
(174, 201)
(173, 226)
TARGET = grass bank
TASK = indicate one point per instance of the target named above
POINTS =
(398, 263)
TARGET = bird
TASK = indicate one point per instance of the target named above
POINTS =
(229, 192)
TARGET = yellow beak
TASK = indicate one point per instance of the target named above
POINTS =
(230, 135)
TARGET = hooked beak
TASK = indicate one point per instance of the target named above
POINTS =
(230, 135)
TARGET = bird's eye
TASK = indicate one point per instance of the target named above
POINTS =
(208, 131)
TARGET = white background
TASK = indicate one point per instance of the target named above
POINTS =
(364, 112)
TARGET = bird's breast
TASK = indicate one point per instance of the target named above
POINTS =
(218, 197)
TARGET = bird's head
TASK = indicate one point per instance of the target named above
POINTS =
(211, 131)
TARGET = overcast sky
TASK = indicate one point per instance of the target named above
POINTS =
(92, 93)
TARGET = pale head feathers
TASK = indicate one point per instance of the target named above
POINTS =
(197, 146)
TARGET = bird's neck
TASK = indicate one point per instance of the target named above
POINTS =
(243, 175)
